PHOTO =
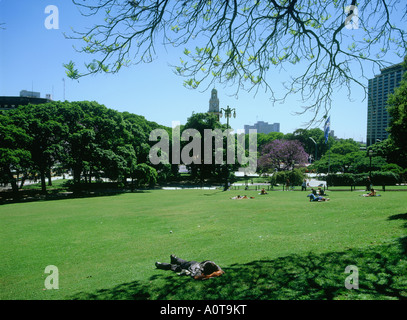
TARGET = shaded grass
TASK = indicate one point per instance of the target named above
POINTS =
(106, 247)
(382, 275)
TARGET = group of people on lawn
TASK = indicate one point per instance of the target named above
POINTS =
(315, 195)
(208, 269)
(239, 197)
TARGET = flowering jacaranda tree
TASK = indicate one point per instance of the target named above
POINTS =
(282, 154)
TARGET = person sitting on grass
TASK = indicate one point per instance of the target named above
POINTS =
(321, 192)
(197, 270)
(263, 191)
(371, 194)
(313, 197)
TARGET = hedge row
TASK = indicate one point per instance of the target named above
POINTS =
(295, 177)
(378, 178)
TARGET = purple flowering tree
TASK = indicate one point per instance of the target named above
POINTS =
(282, 154)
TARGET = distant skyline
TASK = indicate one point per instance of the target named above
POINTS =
(32, 58)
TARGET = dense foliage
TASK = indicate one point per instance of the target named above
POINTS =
(83, 138)
(93, 143)
(397, 109)
(293, 178)
(378, 178)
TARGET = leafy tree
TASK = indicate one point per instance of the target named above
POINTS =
(103, 142)
(41, 123)
(344, 147)
(296, 177)
(385, 149)
(14, 154)
(307, 138)
(403, 176)
(144, 175)
(80, 146)
(78, 141)
(335, 162)
(392, 167)
(85, 137)
(282, 155)
(354, 162)
(139, 128)
(102, 145)
(200, 168)
(397, 108)
(242, 42)
(264, 138)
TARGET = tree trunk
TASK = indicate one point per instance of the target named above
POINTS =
(13, 183)
(43, 181)
(90, 174)
(22, 182)
(76, 175)
(49, 177)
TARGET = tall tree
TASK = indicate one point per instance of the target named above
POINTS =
(193, 147)
(140, 130)
(397, 108)
(352, 162)
(14, 153)
(42, 123)
(345, 146)
(77, 146)
(263, 138)
(241, 42)
(307, 138)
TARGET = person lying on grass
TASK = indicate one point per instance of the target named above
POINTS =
(199, 271)
(313, 197)
(240, 197)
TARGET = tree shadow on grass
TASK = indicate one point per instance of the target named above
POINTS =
(127, 291)
(401, 216)
(52, 195)
(382, 275)
(403, 241)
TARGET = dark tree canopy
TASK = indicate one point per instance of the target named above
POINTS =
(86, 138)
(245, 43)
(397, 108)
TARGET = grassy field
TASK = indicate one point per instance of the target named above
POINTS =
(277, 246)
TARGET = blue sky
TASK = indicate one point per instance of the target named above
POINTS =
(32, 57)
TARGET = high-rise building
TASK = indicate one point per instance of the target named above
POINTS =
(263, 127)
(379, 88)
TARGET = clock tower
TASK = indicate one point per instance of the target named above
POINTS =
(214, 102)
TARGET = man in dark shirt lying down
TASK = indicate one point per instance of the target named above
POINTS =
(198, 270)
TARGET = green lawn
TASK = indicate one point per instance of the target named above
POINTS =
(277, 246)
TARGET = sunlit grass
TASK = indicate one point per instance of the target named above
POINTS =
(104, 242)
